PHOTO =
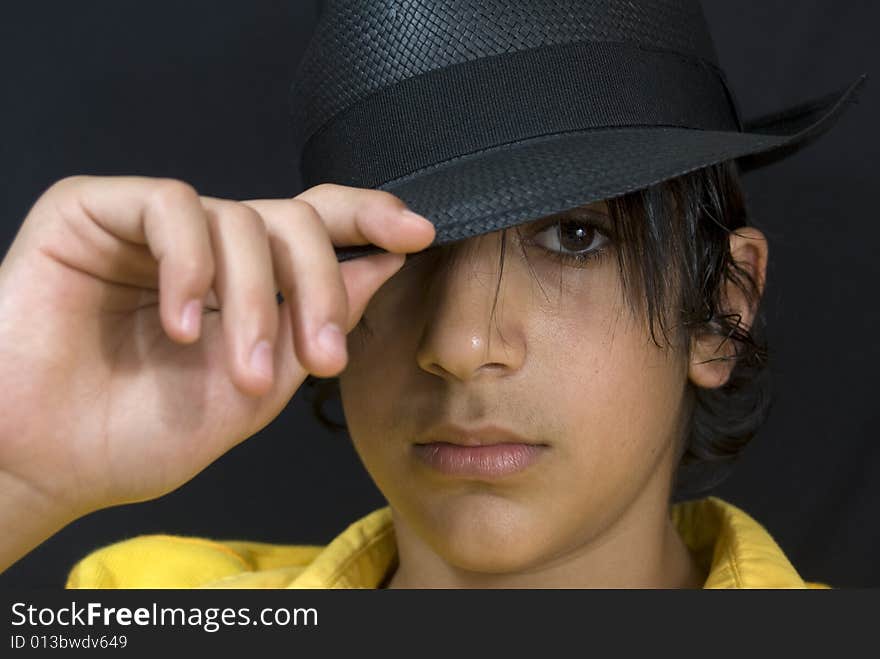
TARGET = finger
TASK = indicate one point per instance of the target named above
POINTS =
(363, 277)
(308, 274)
(167, 216)
(358, 216)
(245, 287)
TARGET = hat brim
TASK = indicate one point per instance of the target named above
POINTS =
(520, 182)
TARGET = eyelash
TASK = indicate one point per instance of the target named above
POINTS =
(579, 259)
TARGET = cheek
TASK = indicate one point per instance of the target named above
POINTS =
(373, 389)
(622, 408)
(616, 395)
(369, 386)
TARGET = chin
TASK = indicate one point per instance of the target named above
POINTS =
(486, 534)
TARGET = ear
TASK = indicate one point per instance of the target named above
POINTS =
(748, 247)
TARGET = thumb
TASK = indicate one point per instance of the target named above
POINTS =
(363, 277)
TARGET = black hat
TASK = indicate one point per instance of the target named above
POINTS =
(484, 114)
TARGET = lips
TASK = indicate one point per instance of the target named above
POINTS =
(488, 452)
(483, 436)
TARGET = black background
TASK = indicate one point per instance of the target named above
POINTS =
(198, 91)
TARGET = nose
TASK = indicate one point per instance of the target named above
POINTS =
(474, 324)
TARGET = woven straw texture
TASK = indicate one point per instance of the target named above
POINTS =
(362, 45)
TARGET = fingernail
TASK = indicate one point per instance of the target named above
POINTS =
(190, 317)
(415, 218)
(261, 359)
(331, 339)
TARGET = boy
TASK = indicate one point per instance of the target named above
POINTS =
(524, 393)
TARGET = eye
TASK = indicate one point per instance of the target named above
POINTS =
(572, 239)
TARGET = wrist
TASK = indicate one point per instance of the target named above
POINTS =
(28, 517)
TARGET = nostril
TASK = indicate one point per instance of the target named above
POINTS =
(436, 369)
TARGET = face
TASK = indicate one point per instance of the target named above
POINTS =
(563, 363)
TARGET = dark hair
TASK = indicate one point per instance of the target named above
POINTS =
(674, 259)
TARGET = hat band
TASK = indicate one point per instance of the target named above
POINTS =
(468, 107)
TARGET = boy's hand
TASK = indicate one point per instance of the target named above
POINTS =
(116, 387)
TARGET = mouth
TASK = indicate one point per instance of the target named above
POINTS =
(489, 452)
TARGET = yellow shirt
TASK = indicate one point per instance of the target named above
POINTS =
(734, 549)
